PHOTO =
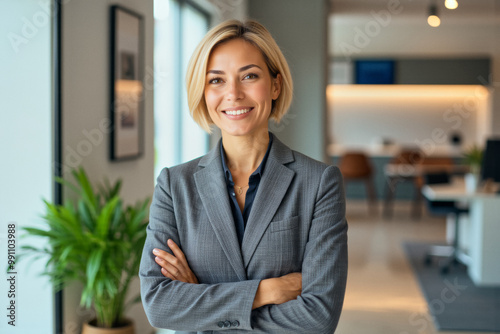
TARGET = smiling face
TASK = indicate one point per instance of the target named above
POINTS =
(239, 88)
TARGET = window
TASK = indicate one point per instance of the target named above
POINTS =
(179, 26)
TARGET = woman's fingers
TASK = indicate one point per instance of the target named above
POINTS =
(167, 274)
(171, 266)
(177, 251)
(174, 266)
(185, 273)
(166, 256)
(167, 267)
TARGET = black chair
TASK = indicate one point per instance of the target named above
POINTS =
(451, 253)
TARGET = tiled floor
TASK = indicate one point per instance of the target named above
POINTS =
(382, 294)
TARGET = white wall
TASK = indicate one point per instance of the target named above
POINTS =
(392, 33)
(85, 110)
(408, 115)
(26, 153)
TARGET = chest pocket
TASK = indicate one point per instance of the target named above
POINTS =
(280, 250)
(283, 225)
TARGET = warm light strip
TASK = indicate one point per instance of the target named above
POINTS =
(402, 91)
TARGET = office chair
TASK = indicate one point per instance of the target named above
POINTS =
(408, 157)
(449, 252)
(356, 166)
(437, 166)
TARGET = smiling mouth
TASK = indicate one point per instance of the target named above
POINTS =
(238, 112)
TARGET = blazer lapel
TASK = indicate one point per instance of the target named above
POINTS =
(212, 189)
(272, 188)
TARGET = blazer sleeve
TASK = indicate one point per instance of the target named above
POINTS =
(183, 306)
(324, 269)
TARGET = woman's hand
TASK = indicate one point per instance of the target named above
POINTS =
(278, 290)
(174, 266)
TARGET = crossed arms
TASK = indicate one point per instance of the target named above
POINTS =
(306, 302)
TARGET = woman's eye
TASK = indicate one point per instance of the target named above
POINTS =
(251, 76)
(215, 81)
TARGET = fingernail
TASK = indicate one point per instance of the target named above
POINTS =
(155, 251)
(157, 259)
(170, 242)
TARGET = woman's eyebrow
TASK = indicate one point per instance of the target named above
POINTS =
(244, 68)
(215, 72)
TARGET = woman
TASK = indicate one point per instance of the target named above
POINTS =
(251, 236)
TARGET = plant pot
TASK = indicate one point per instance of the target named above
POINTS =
(471, 182)
(90, 328)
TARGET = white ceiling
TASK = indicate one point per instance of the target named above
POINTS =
(477, 10)
(471, 29)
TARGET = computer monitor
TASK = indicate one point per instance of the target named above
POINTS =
(490, 168)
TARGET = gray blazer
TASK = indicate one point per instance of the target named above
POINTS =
(297, 224)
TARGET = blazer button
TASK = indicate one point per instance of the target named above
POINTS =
(235, 323)
(220, 324)
(227, 324)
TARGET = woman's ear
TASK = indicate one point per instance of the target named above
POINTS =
(276, 86)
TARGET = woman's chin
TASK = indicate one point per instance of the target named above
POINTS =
(241, 132)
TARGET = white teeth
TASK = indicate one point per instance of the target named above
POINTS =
(237, 112)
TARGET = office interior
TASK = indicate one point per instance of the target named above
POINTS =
(55, 113)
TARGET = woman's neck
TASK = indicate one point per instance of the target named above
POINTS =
(244, 153)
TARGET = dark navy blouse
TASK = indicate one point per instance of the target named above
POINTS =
(240, 219)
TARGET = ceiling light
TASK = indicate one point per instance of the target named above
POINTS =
(451, 4)
(433, 19)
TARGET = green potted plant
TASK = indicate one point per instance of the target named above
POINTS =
(473, 157)
(98, 241)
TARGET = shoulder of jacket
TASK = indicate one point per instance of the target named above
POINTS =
(186, 168)
(303, 160)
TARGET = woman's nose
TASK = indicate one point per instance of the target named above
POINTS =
(234, 91)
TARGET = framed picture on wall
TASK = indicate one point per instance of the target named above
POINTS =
(126, 87)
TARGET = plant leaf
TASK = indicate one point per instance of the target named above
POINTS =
(93, 266)
(104, 218)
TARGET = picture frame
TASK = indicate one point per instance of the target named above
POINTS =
(126, 84)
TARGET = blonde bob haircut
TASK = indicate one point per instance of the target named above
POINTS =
(254, 33)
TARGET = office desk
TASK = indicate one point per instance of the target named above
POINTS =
(398, 173)
(484, 220)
